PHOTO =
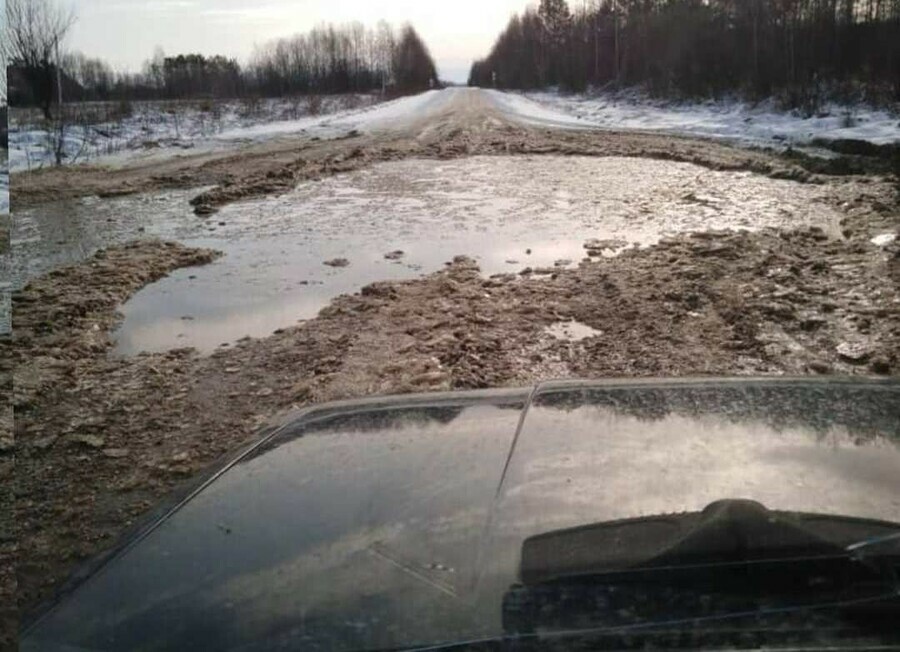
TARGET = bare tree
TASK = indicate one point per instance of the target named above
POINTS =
(35, 29)
(341, 59)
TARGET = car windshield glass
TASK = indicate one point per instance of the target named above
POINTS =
(545, 534)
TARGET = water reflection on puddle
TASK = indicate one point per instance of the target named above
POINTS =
(506, 212)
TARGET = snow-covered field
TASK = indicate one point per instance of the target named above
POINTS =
(160, 130)
(759, 124)
(96, 131)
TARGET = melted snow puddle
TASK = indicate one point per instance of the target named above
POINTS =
(571, 331)
(508, 213)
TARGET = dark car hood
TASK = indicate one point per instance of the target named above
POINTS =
(399, 522)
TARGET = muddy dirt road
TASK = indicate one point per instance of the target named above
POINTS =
(99, 439)
(439, 124)
(397, 220)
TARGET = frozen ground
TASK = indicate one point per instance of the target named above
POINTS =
(509, 213)
(99, 130)
(760, 124)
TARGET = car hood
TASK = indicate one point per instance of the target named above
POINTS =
(401, 521)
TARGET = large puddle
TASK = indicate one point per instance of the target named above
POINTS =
(506, 212)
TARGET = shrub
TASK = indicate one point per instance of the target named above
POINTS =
(250, 107)
(123, 109)
(314, 104)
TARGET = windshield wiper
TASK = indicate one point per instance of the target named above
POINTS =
(867, 544)
(867, 552)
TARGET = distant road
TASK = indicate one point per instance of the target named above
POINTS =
(271, 158)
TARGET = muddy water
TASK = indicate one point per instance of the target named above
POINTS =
(507, 212)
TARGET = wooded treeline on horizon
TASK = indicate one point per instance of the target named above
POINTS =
(328, 59)
(797, 49)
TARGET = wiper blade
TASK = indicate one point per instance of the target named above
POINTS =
(873, 542)
(867, 552)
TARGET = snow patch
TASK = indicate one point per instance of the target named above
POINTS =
(382, 116)
(760, 124)
(884, 239)
(571, 331)
(163, 129)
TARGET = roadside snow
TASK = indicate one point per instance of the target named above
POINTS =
(396, 114)
(728, 119)
(381, 116)
(539, 109)
(159, 128)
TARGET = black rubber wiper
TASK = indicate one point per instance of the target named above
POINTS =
(863, 548)
(873, 553)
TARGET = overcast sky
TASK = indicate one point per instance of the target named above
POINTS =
(125, 32)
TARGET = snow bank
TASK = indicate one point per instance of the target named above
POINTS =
(168, 126)
(760, 124)
(396, 114)
(160, 129)
(539, 110)
(381, 116)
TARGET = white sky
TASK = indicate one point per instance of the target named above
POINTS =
(125, 32)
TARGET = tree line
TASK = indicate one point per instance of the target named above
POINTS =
(344, 59)
(329, 59)
(798, 49)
